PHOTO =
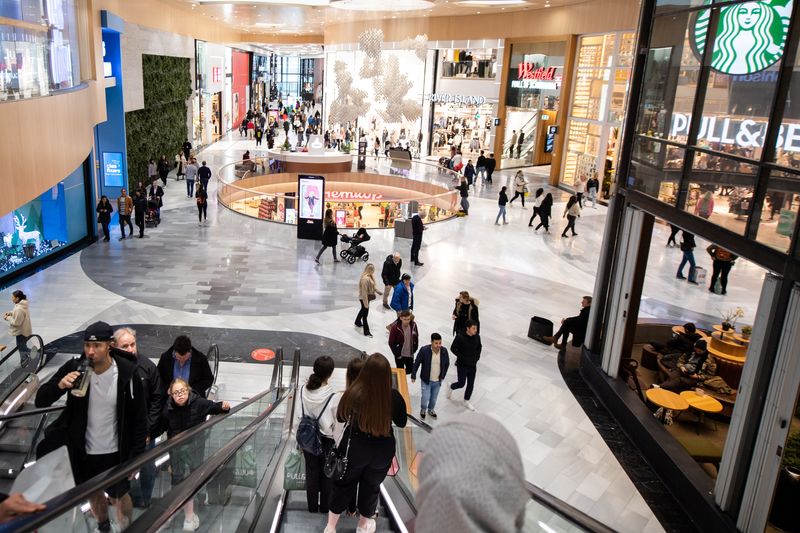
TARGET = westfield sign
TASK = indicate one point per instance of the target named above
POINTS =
(526, 71)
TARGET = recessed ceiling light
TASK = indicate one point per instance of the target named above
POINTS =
(371, 5)
(491, 3)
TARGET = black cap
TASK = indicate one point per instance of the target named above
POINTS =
(406, 276)
(701, 344)
(99, 331)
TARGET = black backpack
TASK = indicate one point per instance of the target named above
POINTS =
(308, 435)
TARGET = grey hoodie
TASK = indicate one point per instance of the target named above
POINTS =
(471, 479)
(19, 322)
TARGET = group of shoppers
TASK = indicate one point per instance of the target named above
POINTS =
(542, 207)
(722, 260)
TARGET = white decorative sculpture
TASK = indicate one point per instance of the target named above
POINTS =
(25, 236)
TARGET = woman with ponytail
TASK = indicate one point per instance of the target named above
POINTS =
(315, 397)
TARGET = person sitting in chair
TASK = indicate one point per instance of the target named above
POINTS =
(680, 342)
(685, 371)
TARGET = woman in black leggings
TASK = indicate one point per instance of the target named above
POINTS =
(202, 203)
(545, 210)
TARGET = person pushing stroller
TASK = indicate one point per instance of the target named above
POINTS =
(355, 251)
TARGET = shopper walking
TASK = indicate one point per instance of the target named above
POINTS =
(403, 295)
(124, 210)
(432, 361)
(537, 203)
(466, 309)
(163, 170)
(366, 293)
(315, 399)
(469, 173)
(722, 263)
(417, 227)
(139, 209)
(152, 169)
(513, 143)
(330, 236)
(104, 211)
(545, 212)
(592, 185)
(571, 212)
(480, 168)
(673, 232)
(467, 349)
(404, 340)
(191, 176)
(580, 190)
(204, 175)
(390, 274)
(369, 405)
(463, 189)
(19, 324)
(687, 247)
(491, 164)
(202, 204)
(519, 188)
(502, 200)
(186, 409)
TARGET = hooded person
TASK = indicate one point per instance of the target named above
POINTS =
(460, 490)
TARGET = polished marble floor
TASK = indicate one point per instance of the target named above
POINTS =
(240, 273)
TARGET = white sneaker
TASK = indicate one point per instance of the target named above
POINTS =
(449, 392)
(191, 525)
(370, 527)
(468, 405)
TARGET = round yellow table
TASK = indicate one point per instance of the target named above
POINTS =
(667, 400)
(703, 403)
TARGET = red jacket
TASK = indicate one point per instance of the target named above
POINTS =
(396, 338)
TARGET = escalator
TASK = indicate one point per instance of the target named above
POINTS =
(239, 485)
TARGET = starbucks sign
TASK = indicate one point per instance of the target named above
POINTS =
(749, 37)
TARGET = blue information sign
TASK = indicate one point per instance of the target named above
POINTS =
(112, 169)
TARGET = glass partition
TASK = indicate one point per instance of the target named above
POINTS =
(478, 63)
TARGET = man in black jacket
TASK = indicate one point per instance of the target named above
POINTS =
(480, 168)
(147, 372)
(390, 274)
(102, 429)
(204, 175)
(491, 163)
(574, 324)
(467, 349)
(417, 227)
(183, 361)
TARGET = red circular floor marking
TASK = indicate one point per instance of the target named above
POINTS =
(262, 354)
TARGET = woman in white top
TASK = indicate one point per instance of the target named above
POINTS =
(580, 189)
(19, 324)
(315, 396)
(537, 202)
(519, 188)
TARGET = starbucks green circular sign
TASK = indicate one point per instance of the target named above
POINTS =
(749, 37)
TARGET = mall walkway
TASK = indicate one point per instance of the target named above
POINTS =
(238, 272)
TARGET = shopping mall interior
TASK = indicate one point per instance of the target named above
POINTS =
(249, 134)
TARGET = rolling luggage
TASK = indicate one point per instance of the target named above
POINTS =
(540, 327)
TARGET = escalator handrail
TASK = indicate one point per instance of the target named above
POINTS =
(277, 369)
(16, 349)
(32, 412)
(156, 515)
(66, 501)
(544, 498)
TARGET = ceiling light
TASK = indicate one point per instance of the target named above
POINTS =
(273, 2)
(491, 3)
(371, 5)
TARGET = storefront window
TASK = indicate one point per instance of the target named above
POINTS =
(598, 107)
(656, 169)
(466, 126)
(38, 48)
(36, 229)
(788, 148)
(779, 213)
(478, 63)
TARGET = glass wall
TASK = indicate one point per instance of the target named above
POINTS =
(480, 63)
(701, 132)
(39, 48)
(53, 220)
(602, 74)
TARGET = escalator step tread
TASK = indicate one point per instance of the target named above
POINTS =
(298, 519)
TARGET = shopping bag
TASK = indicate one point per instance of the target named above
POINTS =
(718, 287)
(294, 471)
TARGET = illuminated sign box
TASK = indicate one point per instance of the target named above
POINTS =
(113, 175)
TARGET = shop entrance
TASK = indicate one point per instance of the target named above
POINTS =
(216, 116)
(466, 128)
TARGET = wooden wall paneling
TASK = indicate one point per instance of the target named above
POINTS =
(563, 109)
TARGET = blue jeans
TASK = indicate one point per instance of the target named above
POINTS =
(147, 480)
(593, 196)
(430, 391)
(465, 204)
(688, 257)
(480, 172)
(190, 187)
(499, 213)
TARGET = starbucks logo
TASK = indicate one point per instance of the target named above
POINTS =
(750, 37)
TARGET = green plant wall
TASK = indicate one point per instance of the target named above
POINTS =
(159, 128)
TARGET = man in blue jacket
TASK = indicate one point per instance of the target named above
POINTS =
(403, 295)
(434, 361)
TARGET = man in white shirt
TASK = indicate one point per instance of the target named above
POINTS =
(103, 428)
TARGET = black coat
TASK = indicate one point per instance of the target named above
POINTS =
(546, 208)
(390, 273)
(70, 427)
(104, 212)
(503, 198)
(490, 164)
(463, 313)
(147, 374)
(467, 349)
(687, 242)
(330, 235)
(139, 206)
(417, 227)
(578, 325)
(180, 418)
(200, 375)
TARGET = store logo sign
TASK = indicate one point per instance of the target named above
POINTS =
(216, 74)
(447, 98)
(350, 196)
(732, 132)
(526, 71)
(749, 37)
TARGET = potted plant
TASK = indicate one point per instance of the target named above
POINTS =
(729, 318)
(747, 331)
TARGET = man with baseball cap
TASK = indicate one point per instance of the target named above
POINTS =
(103, 428)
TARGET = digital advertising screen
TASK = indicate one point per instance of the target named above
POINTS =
(311, 195)
(112, 169)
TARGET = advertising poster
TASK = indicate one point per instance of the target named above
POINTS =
(341, 217)
(311, 197)
(112, 169)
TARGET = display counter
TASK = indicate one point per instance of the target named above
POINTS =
(308, 163)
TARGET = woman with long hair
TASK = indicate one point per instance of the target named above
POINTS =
(537, 203)
(545, 211)
(19, 324)
(520, 184)
(368, 406)
(315, 396)
(572, 212)
(367, 288)
(104, 211)
(329, 236)
(502, 200)
(202, 203)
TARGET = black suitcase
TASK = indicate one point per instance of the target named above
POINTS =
(540, 327)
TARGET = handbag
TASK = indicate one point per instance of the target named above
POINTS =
(294, 471)
(335, 463)
(370, 297)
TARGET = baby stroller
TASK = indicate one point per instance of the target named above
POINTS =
(152, 217)
(355, 251)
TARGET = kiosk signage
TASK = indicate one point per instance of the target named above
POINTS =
(311, 192)
(362, 155)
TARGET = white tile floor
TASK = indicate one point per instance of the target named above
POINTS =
(515, 274)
